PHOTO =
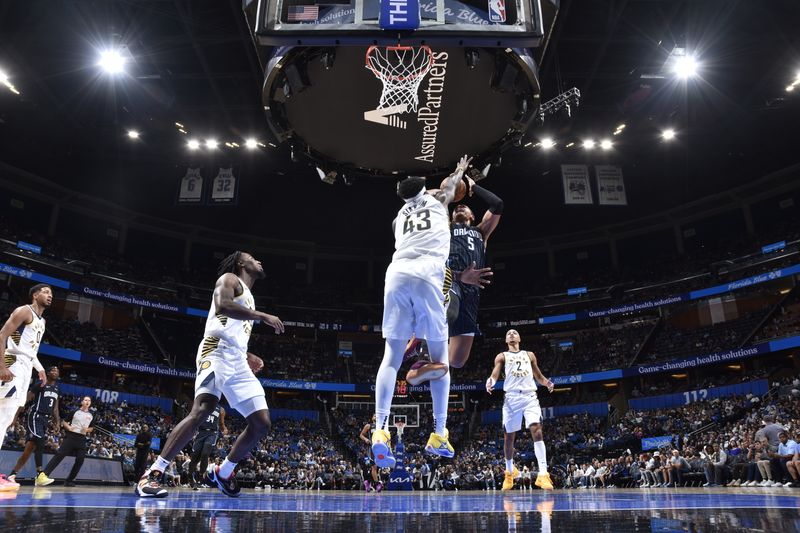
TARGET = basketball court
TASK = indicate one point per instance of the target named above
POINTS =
(117, 509)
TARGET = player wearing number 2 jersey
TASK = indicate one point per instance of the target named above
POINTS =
(414, 303)
(520, 370)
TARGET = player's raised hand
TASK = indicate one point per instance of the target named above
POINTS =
(463, 163)
(275, 322)
(42, 377)
(479, 277)
(490, 382)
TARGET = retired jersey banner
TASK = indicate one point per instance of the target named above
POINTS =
(190, 190)
(610, 187)
(577, 189)
(223, 188)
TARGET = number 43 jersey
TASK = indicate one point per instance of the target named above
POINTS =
(422, 230)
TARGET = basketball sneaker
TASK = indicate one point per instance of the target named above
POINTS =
(438, 445)
(413, 349)
(229, 487)
(381, 450)
(425, 370)
(149, 485)
(7, 485)
(543, 481)
(42, 480)
(508, 480)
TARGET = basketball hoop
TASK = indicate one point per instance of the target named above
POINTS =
(400, 426)
(401, 69)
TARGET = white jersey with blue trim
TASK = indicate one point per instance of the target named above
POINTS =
(519, 372)
(25, 341)
(225, 336)
(422, 230)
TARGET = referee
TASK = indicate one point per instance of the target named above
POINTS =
(74, 442)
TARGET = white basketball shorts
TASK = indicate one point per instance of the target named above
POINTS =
(16, 391)
(413, 300)
(518, 404)
(230, 376)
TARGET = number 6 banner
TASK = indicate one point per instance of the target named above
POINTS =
(190, 190)
(224, 187)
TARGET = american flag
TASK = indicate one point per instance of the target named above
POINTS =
(301, 13)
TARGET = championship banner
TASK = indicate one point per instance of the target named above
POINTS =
(224, 187)
(577, 189)
(190, 190)
(610, 187)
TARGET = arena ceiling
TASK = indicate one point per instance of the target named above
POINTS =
(193, 63)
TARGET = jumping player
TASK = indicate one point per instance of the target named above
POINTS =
(417, 281)
(467, 250)
(44, 409)
(223, 367)
(366, 436)
(204, 442)
(520, 399)
(20, 337)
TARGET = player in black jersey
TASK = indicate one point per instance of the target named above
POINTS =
(204, 442)
(369, 468)
(467, 251)
(43, 398)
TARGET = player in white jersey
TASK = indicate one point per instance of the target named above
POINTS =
(19, 347)
(414, 292)
(520, 399)
(223, 367)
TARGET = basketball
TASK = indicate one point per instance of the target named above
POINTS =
(461, 190)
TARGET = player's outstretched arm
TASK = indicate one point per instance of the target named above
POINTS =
(21, 315)
(499, 361)
(365, 434)
(538, 374)
(491, 218)
(448, 192)
(222, 425)
(225, 292)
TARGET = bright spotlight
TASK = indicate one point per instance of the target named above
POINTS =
(547, 143)
(668, 134)
(133, 134)
(251, 144)
(588, 144)
(606, 144)
(685, 67)
(194, 144)
(789, 88)
(3, 77)
(211, 144)
(112, 61)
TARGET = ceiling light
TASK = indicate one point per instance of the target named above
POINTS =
(621, 127)
(112, 61)
(685, 67)
(133, 134)
(790, 88)
(3, 77)
(211, 144)
(179, 125)
(588, 144)
(547, 143)
(570, 144)
(668, 134)
(606, 144)
(251, 144)
(194, 144)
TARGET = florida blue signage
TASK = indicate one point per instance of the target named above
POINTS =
(654, 443)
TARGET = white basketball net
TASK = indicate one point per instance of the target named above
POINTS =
(401, 69)
(400, 427)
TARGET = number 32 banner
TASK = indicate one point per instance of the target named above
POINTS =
(224, 187)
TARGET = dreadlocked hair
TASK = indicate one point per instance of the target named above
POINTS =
(229, 263)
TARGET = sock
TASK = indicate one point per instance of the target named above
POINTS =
(440, 388)
(509, 465)
(226, 469)
(545, 522)
(386, 379)
(159, 464)
(541, 456)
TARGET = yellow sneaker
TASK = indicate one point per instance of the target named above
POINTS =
(381, 449)
(438, 445)
(42, 480)
(543, 481)
(508, 481)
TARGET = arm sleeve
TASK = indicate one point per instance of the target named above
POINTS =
(494, 201)
(37, 365)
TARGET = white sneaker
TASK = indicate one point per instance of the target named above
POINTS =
(765, 483)
(787, 484)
